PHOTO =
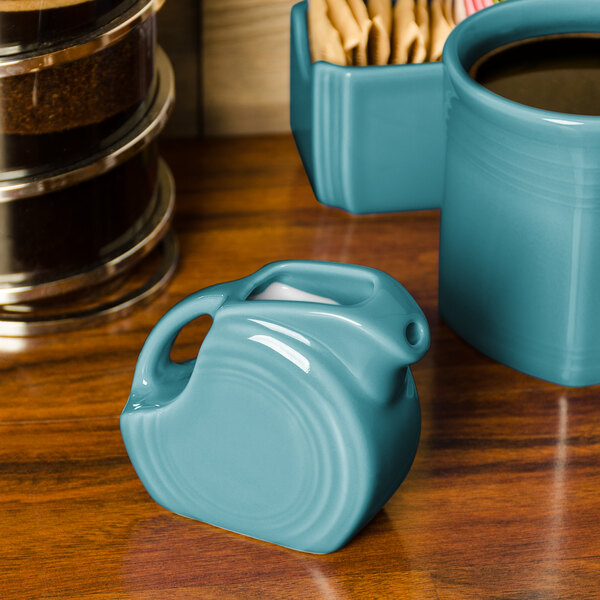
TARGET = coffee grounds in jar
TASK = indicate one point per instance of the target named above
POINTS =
(39, 153)
(82, 92)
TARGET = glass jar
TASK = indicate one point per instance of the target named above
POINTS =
(58, 103)
(65, 226)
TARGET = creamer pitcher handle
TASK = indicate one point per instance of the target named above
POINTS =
(155, 370)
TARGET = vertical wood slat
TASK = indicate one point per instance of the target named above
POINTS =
(179, 34)
(231, 60)
(245, 66)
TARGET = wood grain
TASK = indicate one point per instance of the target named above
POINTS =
(501, 503)
(245, 58)
(180, 36)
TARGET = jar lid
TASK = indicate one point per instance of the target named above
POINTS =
(34, 38)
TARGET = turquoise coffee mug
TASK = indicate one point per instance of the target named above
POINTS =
(299, 418)
(520, 229)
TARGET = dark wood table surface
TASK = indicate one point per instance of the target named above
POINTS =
(503, 500)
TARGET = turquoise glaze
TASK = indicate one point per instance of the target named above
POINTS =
(298, 419)
(520, 229)
(371, 138)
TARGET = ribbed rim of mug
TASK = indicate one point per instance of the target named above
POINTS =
(512, 21)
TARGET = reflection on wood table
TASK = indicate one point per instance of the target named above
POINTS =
(502, 501)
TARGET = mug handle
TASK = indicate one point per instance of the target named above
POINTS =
(156, 375)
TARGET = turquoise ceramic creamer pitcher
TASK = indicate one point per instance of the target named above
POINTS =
(298, 419)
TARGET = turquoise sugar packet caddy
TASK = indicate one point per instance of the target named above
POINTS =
(299, 418)
(372, 139)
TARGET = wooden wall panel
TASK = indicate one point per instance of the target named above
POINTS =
(179, 35)
(245, 66)
(231, 60)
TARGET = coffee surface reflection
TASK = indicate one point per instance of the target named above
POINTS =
(559, 72)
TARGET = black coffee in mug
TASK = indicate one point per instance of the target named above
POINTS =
(557, 72)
